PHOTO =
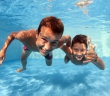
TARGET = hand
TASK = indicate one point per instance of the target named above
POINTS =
(90, 55)
(2, 56)
(66, 59)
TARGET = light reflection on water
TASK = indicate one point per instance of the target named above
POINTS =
(57, 80)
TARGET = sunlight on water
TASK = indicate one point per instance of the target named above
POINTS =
(57, 80)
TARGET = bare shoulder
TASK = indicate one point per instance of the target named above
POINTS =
(25, 34)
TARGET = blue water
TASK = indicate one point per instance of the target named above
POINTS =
(59, 79)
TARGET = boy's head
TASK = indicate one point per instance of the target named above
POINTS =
(50, 31)
(80, 39)
(79, 46)
(53, 23)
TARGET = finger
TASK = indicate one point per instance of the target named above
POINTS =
(86, 61)
(90, 53)
(89, 42)
(90, 45)
(1, 61)
(94, 46)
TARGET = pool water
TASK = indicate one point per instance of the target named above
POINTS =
(60, 79)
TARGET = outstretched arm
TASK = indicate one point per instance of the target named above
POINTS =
(15, 35)
(10, 38)
(91, 56)
(99, 63)
(68, 52)
(64, 40)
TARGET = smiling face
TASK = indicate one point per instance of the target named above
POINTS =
(47, 40)
(79, 51)
(79, 46)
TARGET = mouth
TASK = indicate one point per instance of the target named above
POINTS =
(79, 57)
(43, 51)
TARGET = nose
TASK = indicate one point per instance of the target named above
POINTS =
(79, 53)
(48, 46)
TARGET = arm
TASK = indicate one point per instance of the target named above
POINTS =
(15, 35)
(91, 56)
(99, 63)
(64, 39)
(10, 38)
(68, 52)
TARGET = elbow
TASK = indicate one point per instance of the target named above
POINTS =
(68, 38)
(12, 36)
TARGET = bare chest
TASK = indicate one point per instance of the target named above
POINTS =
(30, 44)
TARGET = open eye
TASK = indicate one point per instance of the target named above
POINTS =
(76, 50)
(44, 40)
(82, 50)
(54, 43)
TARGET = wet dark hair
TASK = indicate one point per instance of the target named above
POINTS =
(79, 39)
(53, 23)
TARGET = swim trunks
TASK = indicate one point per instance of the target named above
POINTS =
(25, 48)
(49, 56)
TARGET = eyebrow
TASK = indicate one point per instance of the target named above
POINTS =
(47, 38)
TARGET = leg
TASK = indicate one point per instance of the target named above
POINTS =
(48, 62)
(24, 56)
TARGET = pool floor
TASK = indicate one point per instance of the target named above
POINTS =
(57, 80)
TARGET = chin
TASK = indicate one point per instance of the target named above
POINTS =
(43, 54)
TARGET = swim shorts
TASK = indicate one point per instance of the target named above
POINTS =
(25, 48)
(49, 56)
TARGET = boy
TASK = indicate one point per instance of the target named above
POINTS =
(44, 40)
(78, 53)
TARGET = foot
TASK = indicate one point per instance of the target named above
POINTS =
(21, 69)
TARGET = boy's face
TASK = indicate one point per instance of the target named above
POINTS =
(79, 51)
(47, 40)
